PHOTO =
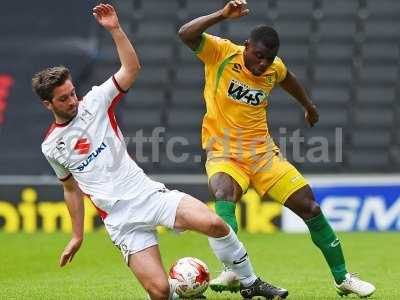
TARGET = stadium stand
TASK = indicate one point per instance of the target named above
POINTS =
(345, 52)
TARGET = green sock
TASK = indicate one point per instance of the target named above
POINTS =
(226, 210)
(326, 240)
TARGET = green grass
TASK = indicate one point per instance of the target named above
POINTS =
(29, 270)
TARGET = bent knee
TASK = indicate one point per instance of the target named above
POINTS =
(224, 187)
(226, 193)
(312, 210)
(217, 227)
(158, 290)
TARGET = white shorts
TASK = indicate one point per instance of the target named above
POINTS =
(131, 224)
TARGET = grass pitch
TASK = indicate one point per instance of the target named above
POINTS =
(29, 270)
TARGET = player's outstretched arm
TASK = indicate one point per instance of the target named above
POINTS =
(74, 201)
(190, 33)
(291, 85)
(106, 16)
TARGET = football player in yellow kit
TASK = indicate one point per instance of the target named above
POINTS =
(240, 151)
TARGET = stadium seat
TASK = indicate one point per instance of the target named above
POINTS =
(383, 10)
(361, 160)
(294, 30)
(373, 118)
(375, 94)
(339, 8)
(198, 8)
(239, 30)
(280, 100)
(333, 74)
(329, 51)
(379, 73)
(185, 118)
(154, 76)
(331, 118)
(370, 138)
(300, 71)
(324, 96)
(294, 52)
(259, 10)
(137, 119)
(285, 118)
(154, 53)
(184, 140)
(337, 30)
(188, 98)
(155, 9)
(190, 75)
(162, 31)
(300, 9)
(145, 98)
(185, 55)
(381, 30)
(383, 52)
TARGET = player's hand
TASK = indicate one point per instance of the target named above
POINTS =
(235, 9)
(106, 16)
(312, 115)
(70, 250)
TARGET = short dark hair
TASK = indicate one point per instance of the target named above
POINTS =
(266, 35)
(45, 81)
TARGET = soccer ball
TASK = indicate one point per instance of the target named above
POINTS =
(191, 276)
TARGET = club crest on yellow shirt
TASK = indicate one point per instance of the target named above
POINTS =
(269, 79)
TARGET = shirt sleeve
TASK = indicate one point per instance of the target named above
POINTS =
(61, 172)
(106, 94)
(281, 69)
(213, 49)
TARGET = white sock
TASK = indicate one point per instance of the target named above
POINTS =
(229, 250)
(172, 288)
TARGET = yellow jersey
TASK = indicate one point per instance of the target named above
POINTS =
(235, 122)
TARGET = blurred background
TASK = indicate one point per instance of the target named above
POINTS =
(345, 52)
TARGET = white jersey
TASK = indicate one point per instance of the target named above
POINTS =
(91, 148)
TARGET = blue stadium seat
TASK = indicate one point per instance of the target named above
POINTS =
(162, 31)
(188, 98)
(339, 8)
(141, 118)
(204, 7)
(141, 97)
(337, 30)
(190, 75)
(375, 94)
(362, 159)
(369, 138)
(299, 9)
(154, 53)
(185, 118)
(331, 118)
(333, 74)
(379, 73)
(154, 76)
(373, 118)
(330, 95)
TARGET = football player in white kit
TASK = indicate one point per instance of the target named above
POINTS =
(86, 149)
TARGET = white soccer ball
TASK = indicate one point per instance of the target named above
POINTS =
(191, 276)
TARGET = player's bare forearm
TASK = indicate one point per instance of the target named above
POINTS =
(291, 85)
(74, 201)
(130, 64)
(190, 33)
(106, 16)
